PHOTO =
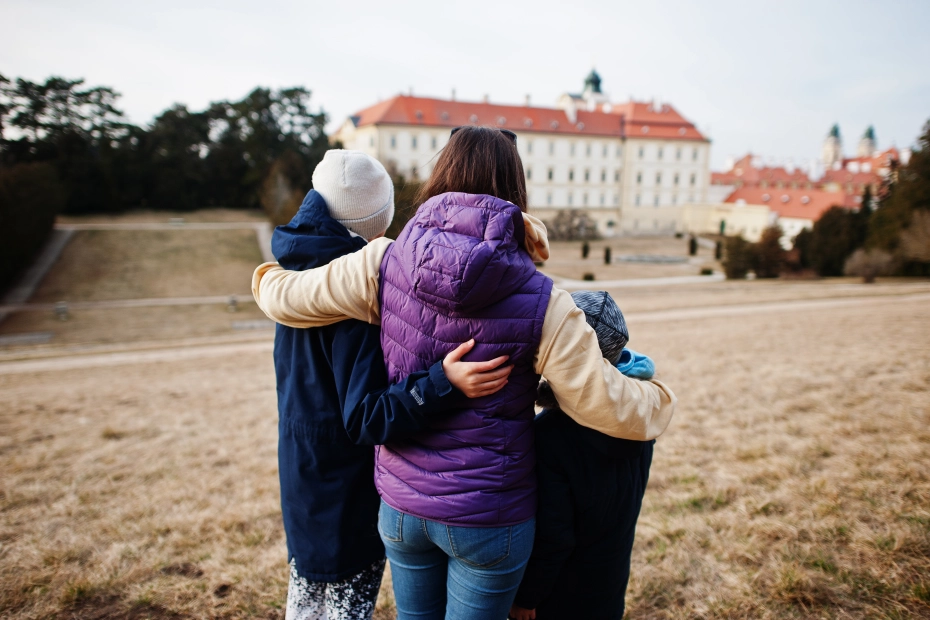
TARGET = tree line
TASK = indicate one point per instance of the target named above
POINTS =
(68, 148)
(888, 235)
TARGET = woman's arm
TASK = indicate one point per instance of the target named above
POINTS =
(589, 389)
(346, 288)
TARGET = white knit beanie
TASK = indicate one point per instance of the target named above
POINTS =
(358, 191)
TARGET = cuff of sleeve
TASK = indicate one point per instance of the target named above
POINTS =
(438, 376)
(526, 600)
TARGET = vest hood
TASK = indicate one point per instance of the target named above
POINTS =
(312, 238)
(482, 233)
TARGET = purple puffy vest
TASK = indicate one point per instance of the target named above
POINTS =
(458, 271)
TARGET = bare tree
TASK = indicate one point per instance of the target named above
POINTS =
(915, 240)
(869, 264)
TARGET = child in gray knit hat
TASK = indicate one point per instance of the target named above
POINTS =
(590, 491)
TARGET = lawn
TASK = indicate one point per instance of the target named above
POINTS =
(130, 264)
(793, 482)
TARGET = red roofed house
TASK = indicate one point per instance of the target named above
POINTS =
(754, 195)
(631, 166)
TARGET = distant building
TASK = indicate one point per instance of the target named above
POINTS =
(631, 166)
(794, 198)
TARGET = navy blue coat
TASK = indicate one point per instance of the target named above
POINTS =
(590, 492)
(333, 405)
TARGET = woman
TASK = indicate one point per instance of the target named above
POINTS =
(459, 500)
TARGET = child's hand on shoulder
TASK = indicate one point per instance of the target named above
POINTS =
(518, 613)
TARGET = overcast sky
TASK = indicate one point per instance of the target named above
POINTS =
(770, 77)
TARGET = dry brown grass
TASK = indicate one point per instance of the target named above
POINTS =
(143, 216)
(795, 479)
(130, 264)
(793, 482)
(124, 325)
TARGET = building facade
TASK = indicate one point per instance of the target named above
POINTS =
(631, 167)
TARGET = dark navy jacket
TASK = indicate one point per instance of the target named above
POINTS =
(590, 492)
(333, 404)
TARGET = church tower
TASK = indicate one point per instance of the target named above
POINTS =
(833, 149)
(592, 94)
(867, 144)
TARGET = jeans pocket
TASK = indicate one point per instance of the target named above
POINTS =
(390, 524)
(482, 547)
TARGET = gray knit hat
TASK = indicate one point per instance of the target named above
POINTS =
(358, 191)
(604, 316)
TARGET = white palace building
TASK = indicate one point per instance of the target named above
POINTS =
(634, 167)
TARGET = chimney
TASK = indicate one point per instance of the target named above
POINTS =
(487, 99)
(453, 94)
(411, 91)
(527, 101)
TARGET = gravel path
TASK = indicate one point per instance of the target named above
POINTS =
(225, 349)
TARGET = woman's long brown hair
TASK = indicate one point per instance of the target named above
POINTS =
(478, 160)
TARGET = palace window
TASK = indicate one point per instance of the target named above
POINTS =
(658, 178)
(551, 147)
(587, 175)
(571, 175)
(639, 178)
(616, 176)
(584, 199)
(693, 178)
(529, 174)
(529, 147)
(587, 150)
(433, 142)
(371, 141)
(641, 152)
(571, 149)
(549, 198)
(550, 174)
(569, 198)
(694, 155)
(660, 153)
(676, 178)
(678, 153)
(636, 203)
(393, 142)
(655, 201)
(603, 176)
(413, 143)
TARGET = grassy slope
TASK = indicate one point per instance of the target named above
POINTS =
(793, 482)
(101, 265)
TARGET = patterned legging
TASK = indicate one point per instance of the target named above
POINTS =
(350, 599)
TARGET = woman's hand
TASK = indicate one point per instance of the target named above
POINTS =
(518, 613)
(475, 379)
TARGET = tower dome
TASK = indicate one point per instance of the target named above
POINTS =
(867, 144)
(592, 83)
(833, 148)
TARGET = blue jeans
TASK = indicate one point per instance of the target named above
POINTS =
(457, 573)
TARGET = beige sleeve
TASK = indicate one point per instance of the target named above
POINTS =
(346, 288)
(589, 389)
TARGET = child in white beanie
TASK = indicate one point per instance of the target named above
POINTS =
(358, 192)
(334, 402)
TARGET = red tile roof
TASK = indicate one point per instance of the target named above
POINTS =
(748, 175)
(633, 119)
(798, 203)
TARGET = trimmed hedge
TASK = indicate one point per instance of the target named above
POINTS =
(30, 197)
